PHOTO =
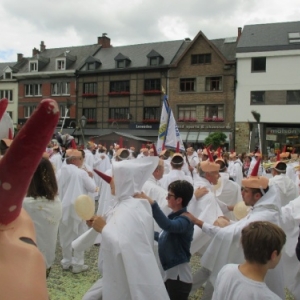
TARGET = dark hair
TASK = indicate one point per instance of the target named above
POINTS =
(281, 167)
(255, 190)
(182, 189)
(259, 239)
(43, 182)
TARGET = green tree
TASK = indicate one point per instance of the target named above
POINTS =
(215, 139)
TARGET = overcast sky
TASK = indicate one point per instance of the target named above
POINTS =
(59, 23)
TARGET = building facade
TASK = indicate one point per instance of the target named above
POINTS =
(268, 82)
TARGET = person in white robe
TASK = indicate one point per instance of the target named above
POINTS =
(56, 159)
(176, 172)
(127, 260)
(286, 187)
(225, 246)
(72, 182)
(236, 169)
(44, 207)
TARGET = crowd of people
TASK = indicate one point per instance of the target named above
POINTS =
(155, 210)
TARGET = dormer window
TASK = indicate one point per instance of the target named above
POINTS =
(60, 64)
(33, 66)
(122, 61)
(154, 58)
(91, 66)
(7, 75)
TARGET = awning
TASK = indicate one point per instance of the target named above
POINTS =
(199, 136)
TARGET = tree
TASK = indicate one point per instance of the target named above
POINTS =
(215, 139)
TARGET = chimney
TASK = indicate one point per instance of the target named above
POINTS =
(239, 33)
(42, 46)
(104, 41)
(35, 51)
(19, 56)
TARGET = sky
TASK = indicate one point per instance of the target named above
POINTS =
(62, 23)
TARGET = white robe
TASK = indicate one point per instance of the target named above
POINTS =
(172, 176)
(130, 270)
(236, 172)
(56, 161)
(46, 215)
(225, 246)
(287, 188)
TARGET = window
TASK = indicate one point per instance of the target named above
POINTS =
(89, 113)
(33, 67)
(33, 89)
(214, 112)
(213, 83)
(258, 64)
(152, 113)
(63, 109)
(60, 88)
(293, 97)
(119, 113)
(8, 94)
(90, 88)
(121, 64)
(7, 75)
(187, 84)
(201, 59)
(91, 66)
(119, 86)
(28, 110)
(186, 113)
(257, 97)
(154, 61)
(152, 84)
(294, 37)
(60, 64)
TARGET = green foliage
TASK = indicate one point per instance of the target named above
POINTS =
(215, 139)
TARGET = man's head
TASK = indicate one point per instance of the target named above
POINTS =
(279, 168)
(122, 154)
(190, 151)
(74, 157)
(180, 192)
(177, 161)
(209, 170)
(252, 195)
(262, 243)
(159, 171)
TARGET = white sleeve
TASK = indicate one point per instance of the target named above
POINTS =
(88, 182)
(210, 229)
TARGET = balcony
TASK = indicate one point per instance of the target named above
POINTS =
(89, 95)
(91, 121)
(120, 121)
(213, 119)
(118, 94)
(152, 92)
(187, 120)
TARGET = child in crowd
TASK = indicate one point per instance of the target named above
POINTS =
(174, 241)
(262, 244)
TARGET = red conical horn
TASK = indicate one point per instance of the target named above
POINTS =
(73, 144)
(210, 157)
(10, 134)
(16, 169)
(278, 156)
(177, 148)
(3, 106)
(154, 150)
(219, 152)
(284, 149)
(105, 177)
(256, 167)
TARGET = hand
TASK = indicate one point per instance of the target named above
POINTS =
(90, 174)
(191, 169)
(231, 207)
(190, 216)
(98, 223)
(142, 195)
(200, 192)
(222, 222)
(89, 223)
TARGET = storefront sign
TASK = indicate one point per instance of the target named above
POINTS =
(283, 130)
(143, 126)
(204, 126)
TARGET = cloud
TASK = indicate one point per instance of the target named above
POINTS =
(68, 23)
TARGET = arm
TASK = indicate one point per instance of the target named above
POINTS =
(178, 225)
(88, 182)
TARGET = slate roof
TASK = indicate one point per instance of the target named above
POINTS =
(268, 37)
(4, 65)
(226, 48)
(80, 52)
(138, 54)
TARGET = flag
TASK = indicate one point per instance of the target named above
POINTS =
(168, 134)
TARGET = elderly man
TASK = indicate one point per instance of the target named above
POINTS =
(72, 182)
(225, 246)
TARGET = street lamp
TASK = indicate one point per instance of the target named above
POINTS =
(82, 122)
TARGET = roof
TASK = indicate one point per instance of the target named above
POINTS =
(4, 65)
(228, 49)
(80, 52)
(138, 54)
(127, 135)
(268, 37)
